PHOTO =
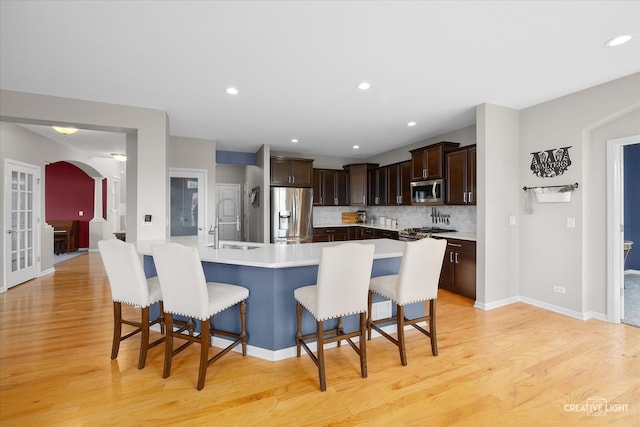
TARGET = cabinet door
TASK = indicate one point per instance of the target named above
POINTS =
(456, 182)
(280, 172)
(465, 274)
(447, 273)
(393, 180)
(340, 188)
(471, 176)
(404, 174)
(318, 187)
(418, 164)
(433, 162)
(328, 197)
(301, 172)
(377, 187)
(358, 185)
(367, 233)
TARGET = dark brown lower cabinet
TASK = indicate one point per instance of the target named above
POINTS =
(459, 268)
(330, 234)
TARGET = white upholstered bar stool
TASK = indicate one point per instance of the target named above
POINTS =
(341, 289)
(186, 292)
(130, 286)
(416, 281)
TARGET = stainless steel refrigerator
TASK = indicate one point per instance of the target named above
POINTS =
(291, 215)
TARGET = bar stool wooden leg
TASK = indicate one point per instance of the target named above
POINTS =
(168, 345)
(320, 343)
(243, 324)
(144, 343)
(117, 329)
(432, 327)
(299, 328)
(363, 345)
(369, 307)
(400, 323)
(205, 343)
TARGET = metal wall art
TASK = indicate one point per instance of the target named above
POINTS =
(550, 163)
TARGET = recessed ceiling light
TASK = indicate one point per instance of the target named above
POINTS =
(364, 85)
(617, 41)
(231, 90)
(65, 131)
(295, 141)
(355, 147)
(411, 124)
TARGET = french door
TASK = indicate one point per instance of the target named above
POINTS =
(21, 223)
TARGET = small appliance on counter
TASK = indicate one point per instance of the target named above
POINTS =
(410, 234)
(362, 217)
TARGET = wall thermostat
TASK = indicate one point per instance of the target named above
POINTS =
(147, 218)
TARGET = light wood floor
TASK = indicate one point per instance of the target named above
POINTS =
(513, 366)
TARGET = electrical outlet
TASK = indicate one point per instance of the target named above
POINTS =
(559, 289)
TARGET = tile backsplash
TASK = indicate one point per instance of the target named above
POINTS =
(461, 218)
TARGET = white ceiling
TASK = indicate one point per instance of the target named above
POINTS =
(297, 64)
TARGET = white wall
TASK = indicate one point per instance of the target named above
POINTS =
(147, 136)
(195, 153)
(260, 176)
(464, 136)
(550, 253)
(497, 199)
(20, 144)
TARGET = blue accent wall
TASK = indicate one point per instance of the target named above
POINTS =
(632, 204)
(236, 158)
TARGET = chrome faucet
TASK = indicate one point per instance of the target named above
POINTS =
(216, 237)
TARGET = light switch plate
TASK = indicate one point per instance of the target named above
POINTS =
(571, 222)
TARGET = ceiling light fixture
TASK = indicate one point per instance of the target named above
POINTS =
(295, 141)
(364, 85)
(355, 147)
(617, 41)
(231, 90)
(411, 124)
(119, 157)
(65, 131)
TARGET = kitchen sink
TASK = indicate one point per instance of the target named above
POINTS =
(237, 246)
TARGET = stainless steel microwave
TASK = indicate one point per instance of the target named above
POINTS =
(427, 192)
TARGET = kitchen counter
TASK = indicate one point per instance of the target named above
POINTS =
(452, 235)
(268, 255)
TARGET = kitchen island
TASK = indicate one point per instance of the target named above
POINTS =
(272, 272)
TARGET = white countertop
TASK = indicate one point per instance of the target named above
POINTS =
(457, 235)
(452, 235)
(376, 226)
(269, 255)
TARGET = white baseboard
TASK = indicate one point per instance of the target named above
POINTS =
(556, 309)
(47, 271)
(285, 353)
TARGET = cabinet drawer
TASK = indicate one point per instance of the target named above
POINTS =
(466, 246)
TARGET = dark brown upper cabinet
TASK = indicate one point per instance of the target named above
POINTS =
(461, 177)
(288, 172)
(428, 162)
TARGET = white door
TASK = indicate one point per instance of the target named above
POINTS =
(22, 221)
(188, 190)
(228, 211)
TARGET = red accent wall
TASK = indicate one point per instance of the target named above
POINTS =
(69, 190)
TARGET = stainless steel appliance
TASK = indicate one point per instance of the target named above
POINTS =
(291, 215)
(410, 234)
(425, 193)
